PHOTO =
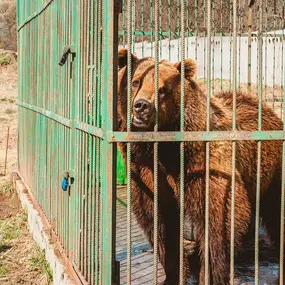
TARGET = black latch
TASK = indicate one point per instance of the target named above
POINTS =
(66, 51)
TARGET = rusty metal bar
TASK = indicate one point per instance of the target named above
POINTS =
(249, 24)
(195, 136)
(129, 104)
(282, 209)
(207, 256)
(182, 151)
(260, 81)
(234, 77)
(155, 146)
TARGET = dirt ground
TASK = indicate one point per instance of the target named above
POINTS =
(21, 260)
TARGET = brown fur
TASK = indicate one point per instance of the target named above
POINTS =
(270, 163)
(169, 172)
(246, 155)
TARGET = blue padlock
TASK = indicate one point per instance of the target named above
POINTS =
(64, 184)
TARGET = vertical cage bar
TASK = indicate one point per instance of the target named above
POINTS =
(209, 6)
(260, 81)
(282, 212)
(109, 107)
(129, 186)
(232, 242)
(155, 146)
(169, 27)
(73, 148)
(266, 53)
(221, 39)
(182, 4)
(281, 261)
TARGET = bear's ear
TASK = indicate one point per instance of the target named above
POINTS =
(123, 57)
(190, 68)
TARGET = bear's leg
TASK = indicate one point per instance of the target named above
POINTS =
(270, 212)
(219, 224)
(169, 244)
(168, 228)
(218, 260)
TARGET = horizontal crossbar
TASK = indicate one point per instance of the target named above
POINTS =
(114, 137)
(92, 130)
(195, 136)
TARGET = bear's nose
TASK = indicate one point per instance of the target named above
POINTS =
(142, 106)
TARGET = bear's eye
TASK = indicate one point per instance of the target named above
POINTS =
(136, 83)
(161, 93)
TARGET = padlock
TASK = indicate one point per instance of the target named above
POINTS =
(67, 180)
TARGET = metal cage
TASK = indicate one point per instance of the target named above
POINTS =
(68, 128)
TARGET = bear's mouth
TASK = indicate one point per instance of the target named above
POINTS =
(141, 122)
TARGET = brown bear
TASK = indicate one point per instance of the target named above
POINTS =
(246, 157)
(142, 167)
(271, 158)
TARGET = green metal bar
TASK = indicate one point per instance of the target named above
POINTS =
(91, 147)
(167, 34)
(65, 95)
(97, 218)
(90, 55)
(100, 123)
(82, 152)
(195, 136)
(95, 131)
(110, 48)
(73, 27)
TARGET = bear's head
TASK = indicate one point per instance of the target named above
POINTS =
(143, 109)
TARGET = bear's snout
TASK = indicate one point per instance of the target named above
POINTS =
(142, 113)
(142, 107)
